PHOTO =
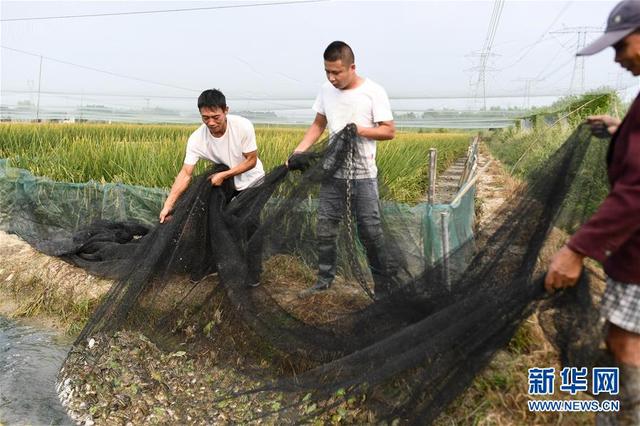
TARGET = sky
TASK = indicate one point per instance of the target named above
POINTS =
(267, 56)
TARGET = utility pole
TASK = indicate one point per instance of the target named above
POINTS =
(577, 76)
(528, 82)
(39, 82)
(81, 104)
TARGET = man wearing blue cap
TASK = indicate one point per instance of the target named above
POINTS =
(612, 235)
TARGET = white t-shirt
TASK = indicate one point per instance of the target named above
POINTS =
(365, 106)
(239, 138)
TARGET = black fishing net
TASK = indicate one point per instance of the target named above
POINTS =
(394, 327)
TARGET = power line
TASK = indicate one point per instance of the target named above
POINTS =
(397, 97)
(540, 39)
(556, 83)
(551, 62)
(119, 95)
(561, 66)
(577, 78)
(148, 12)
(109, 103)
(115, 74)
(247, 93)
(268, 100)
(485, 53)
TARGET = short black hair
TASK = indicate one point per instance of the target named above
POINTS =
(339, 50)
(212, 98)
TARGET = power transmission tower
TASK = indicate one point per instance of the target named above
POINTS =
(577, 76)
(480, 83)
(485, 53)
(528, 82)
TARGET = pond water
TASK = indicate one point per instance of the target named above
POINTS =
(29, 361)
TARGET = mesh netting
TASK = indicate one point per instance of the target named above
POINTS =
(395, 326)
(38, 208)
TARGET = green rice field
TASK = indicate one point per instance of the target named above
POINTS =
(151, 155)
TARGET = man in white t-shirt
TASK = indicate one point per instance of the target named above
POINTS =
(224, 139)
(348, 98)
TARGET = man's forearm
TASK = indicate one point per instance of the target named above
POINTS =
(180, 185)
(246, 165)
(380, 133)
(310, 137)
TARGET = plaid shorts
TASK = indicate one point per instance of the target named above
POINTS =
(621, 305)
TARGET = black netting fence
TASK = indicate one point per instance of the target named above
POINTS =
(391, 333)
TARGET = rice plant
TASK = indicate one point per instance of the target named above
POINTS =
(151, 155)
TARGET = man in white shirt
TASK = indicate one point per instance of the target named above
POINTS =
(348, 98)
(224, 139)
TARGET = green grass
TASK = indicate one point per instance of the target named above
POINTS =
(522, 152)
(151, 155)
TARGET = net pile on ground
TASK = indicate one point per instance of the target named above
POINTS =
(404, 338)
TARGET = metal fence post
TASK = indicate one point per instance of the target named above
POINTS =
(433, 161)
(444, 226)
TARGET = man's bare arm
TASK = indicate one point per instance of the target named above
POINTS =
(180, 184)
(386, 130)
(313, 133)
(250, 161)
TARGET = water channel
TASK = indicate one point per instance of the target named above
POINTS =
(30, 358)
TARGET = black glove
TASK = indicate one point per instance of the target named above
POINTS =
(299, 161)
(351, 130)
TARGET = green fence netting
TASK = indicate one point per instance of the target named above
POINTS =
(31, 206)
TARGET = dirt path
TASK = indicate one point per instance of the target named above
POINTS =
(493, 187)
(448, 183)
(498, 395)
(491, 183)
(490, 186)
